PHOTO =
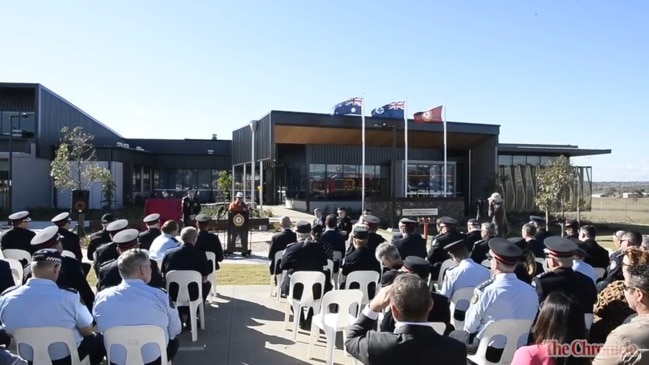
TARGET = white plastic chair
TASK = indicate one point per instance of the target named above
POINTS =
(16, 270)
(183, 278)
(211, 257)
(599, 272)
(332, 323)
(278, 277)
(68, 253)
(16, 254)
(463, 294)
(337, 257)
(133, 338)
(447, 264)
(330, 266)
(308, 279)
(439, 327)
(40, 338)
(364, 278)
(512, 329)
(486, 263)
(588, 319)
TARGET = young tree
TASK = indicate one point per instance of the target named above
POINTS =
(75, 164)
(224, 183)
(555, 181)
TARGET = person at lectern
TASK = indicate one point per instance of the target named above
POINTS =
(238, 205)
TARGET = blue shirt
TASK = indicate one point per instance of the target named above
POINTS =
(584, 268)
(41, 303)
(134, 303)
(503, 297)
(161, 245)
(467, 274)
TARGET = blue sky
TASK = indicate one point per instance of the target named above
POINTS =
(561, 72)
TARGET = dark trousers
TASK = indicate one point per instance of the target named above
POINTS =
(469, 339)
(86, 268)
(193, 294)
(92, 346)
(172, 349)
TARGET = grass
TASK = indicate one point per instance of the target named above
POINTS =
(618, 210)
(242, 274)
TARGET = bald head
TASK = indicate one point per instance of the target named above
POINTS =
(286, 222)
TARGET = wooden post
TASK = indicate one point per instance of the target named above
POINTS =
(80, 223)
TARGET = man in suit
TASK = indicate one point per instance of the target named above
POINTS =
(449, 234)
(412, 244)
(279, 241)
(481, 248)
(413, 341)
(332, 235)
(473, 234)
(597, 255)
(152, 222)
(318, 218)
(528, 232)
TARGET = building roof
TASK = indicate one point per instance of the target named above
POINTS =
(548, 150)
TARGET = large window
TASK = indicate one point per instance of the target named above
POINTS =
(24, 126)
(426, 179)
(509, 160)
(343, 182)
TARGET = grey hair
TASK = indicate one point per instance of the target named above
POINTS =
(189, 234)
(388, 251)
(489, 228)
(130, 261)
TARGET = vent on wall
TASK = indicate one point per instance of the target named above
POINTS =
(120, 144)
(210, 152)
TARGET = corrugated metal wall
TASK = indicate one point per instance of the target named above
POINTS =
(55, 113)
(242, 139)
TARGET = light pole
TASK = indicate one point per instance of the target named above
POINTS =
(253, 129)
(393, 174)
(11, 156)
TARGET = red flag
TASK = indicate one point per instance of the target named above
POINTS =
(430, 116)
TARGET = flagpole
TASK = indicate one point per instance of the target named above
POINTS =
(363, 155)
(405, 148)
(445, 174)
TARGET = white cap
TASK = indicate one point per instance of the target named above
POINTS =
(117, 225)
(126, 236)
(239, 195)
(61, 217)
(23, 215)
(45, 235)
(151, 218)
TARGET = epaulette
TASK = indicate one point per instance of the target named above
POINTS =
(73, 290)
(478, 242)
(106, 263)
(163, 290)
(485, 284)
(541, 275)
(10, 289)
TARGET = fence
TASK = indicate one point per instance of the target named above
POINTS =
(618, 210)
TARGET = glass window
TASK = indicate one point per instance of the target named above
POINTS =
(204, 179)
(534, 160)
(505, 160)
(137, 178)
(428, 179)
(519, 160)
(24, 126)
(317, 185)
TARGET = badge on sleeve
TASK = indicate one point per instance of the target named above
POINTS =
(171, 304)
(475, 297)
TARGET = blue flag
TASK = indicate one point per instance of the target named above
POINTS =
(351, 106)
(390, 111)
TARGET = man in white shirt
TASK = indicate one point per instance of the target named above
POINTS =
(164, 242)
(579, 265)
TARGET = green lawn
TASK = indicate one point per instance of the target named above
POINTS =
(242, 274)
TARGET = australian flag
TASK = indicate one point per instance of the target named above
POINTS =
(350, 106)
(394, 110)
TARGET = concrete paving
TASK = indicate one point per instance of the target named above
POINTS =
(244, 325)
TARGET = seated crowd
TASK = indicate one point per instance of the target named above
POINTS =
(544, 290)
(131, 269)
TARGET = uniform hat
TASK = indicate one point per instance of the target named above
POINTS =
(455, 245)
(505, 251)
(572, 223)
(340, 209)
(239, 195)
(448, 221)
(303, 227)
(23, 215)
(495, 197)
(519, 242)
(537, 219)
(117, 225)
(417, 265)
(126, 237)
(371, 219)
(558, 246)
(191, 188)
(203, 218)
(360, 232)
(407, 221)
(47, 254)
(151, 218)
(107, 218)
(65, 216)
(45, 236)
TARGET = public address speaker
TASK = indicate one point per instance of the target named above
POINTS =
(80, 200)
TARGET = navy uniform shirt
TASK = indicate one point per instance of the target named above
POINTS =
(18, 239)
(191, 206)
(437, 254)
(97, 240)
(103, 254)
(41, 303)
(133, 303)
(210, 242)
(502, 297)
(572, 283)
(70, 242)
(147, 237)
(411, 245)
(109, 276)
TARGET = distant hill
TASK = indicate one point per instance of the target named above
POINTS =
(617, 187)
